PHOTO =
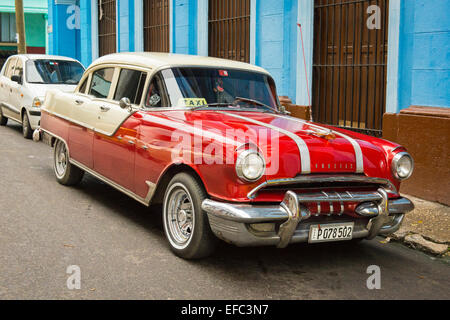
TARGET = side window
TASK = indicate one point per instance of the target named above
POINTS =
(130, 85)
(10, 67)
(5, 69)
(18, 70)
(83, 86)
(101, 82)
(155, 97)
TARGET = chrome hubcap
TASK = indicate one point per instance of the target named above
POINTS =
(60, 159)
(179, 215)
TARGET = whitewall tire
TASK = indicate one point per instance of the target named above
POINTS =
(66, 173)
(186, 225)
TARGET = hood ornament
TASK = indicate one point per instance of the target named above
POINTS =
(327, 134)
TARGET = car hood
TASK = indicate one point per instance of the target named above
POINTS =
(293, 146)
(40, 89)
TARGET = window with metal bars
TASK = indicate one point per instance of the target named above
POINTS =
(349, 67)
(106, 27)
(229, 29)
(156, 25)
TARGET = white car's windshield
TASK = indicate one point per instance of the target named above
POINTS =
(53, 71)
(223, 88)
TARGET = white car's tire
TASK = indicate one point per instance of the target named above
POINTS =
(186, 225)
(27, 132)
(66, 173)
(3, 120)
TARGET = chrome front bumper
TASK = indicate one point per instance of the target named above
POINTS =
(234, 222)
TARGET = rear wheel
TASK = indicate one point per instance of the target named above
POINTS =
(66, 173)
(3, 120)
(26, 127)
(186, 226)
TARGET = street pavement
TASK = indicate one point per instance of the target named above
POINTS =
(120, 248)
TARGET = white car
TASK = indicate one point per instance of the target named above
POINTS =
(24, 81)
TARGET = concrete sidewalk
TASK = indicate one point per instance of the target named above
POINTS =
(426, 228)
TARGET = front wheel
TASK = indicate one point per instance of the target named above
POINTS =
(66, 173)
(186, 226)
(26, 127)
(3, 120)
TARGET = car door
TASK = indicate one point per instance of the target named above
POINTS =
(116, 129)
(7, 89)
(16, 95)
(4, 82)
(81, 128)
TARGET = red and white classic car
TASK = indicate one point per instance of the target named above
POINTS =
(208, 140)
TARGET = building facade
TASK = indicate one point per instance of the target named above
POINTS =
(360, 64)
(35, 12)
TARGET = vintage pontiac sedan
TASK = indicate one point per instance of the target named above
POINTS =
(208, 139)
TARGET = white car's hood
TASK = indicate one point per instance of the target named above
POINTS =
(40, 89)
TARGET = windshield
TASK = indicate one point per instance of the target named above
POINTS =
(210, 87)
(53, 71)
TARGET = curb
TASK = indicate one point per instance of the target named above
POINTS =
(419, 242)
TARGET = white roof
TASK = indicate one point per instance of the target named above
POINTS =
(156, 60)
(34, 56)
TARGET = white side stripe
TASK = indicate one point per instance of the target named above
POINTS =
(355, 144)
(301, 144)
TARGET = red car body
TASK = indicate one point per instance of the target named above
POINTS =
(137, 158)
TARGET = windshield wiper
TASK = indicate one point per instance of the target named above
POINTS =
(262, 104)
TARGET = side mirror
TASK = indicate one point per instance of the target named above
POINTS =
(17, 79)
(125, 103)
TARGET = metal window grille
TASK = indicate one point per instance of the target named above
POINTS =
(106, 27)
(349, 65)
(229, 29)
(156, 25)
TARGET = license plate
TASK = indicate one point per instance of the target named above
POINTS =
(330, 232)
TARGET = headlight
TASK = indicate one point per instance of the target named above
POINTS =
(402, 165)
(250, 165)
(37, 103)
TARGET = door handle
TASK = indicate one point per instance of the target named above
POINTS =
(104, 108)
(131, 142)
(79, 101)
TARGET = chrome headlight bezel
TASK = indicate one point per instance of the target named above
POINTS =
(241, 161)
(396, 162)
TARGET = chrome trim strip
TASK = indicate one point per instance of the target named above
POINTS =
(356, 196)
(84, 125)
(322, 178)
(358, 152)
(115, 185)
(301, 144)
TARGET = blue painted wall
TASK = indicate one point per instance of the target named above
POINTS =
(424, 67)
(276, 42)
(85, 33)
(126, 25)
(62, 40)
(184, 36)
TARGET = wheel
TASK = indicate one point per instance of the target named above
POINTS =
(26, 128)
(3, 120)
(186, 226)
(66, 173)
